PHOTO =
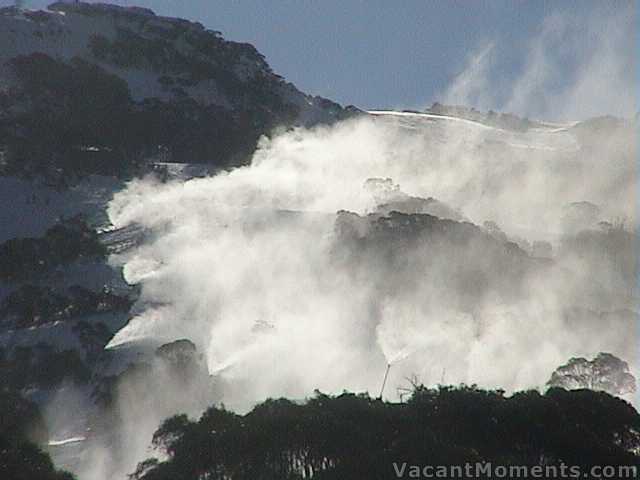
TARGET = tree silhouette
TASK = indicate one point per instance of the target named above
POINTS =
(354, 437)
(606, 372)
(21, 426)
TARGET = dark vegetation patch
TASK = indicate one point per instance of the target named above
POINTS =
(69, 117)
(354, 437)
(32, 305)
(64, 243)
(41, 366)
(72, 118)
(22, 430)
(463, 262)
(75, 118)
(178, 360)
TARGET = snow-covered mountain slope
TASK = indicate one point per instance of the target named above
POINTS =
(462, 205)
(36, 204)
(97, 88)
(94, 93)
(541, 136)
(151, 53)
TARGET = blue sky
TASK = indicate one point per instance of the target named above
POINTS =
(396, 54)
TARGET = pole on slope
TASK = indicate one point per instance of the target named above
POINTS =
(384, 381)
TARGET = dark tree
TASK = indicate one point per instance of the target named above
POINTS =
(354, 437)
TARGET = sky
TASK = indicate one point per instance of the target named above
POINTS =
(404, 54)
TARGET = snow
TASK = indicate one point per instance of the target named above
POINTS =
(556, 138)
(66, 441)
(66, 34)
(30, 207)
(428, 115)
(60, 334)
(62, 36)
(185, 171)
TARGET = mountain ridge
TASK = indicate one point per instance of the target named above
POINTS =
(114, 86)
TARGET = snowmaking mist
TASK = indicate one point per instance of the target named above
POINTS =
(450, 246)
(455, 249)
(441, 243)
